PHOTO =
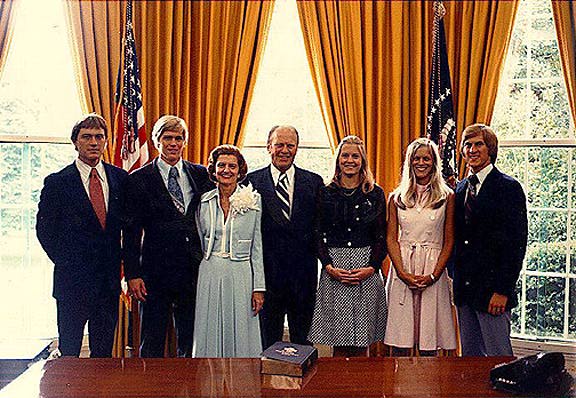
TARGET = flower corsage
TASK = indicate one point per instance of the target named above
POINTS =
(243, 200)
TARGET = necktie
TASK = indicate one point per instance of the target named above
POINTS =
(282, 193)
(175, 190)
(97, 197)
(471, 197)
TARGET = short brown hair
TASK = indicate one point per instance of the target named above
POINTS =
(169, 123)
(226, 150)
(488, 135)
(89, 121)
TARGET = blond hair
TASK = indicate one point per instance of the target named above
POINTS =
(405, 194)
(366, 176)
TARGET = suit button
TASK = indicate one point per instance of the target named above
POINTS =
(465, 242)
(349, 229)
(357, 206)
(357, 218)
(467, 283)
(187, 239)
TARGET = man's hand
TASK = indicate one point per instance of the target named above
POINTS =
(137, 289)
(497, 304)
(257, 302)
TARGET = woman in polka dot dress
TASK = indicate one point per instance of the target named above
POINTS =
(350, 310)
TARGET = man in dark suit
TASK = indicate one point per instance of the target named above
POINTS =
(288, 224)
(79, 224)
(162, 248)
(491, 235)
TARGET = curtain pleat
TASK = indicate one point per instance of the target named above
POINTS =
(7, 11)
(477, 38)
(565, 21)
(370, 63)
(370, 69)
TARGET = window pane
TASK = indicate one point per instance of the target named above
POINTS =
(38, 94)
(545, 59)
(512, 161)
(548, 177)
(510, 111)
(572, 309)
(550, 115)
(546, 257)
(284, 92)
(545, 306)
(546, 226)
(26, 282)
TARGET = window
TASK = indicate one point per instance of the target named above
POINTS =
(284, 94)
(538, 147)
(38, 105)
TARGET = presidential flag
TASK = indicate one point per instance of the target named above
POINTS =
(131, 149)
(441, 124)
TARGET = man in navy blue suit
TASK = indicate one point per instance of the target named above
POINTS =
(79, 224)
(162, 247)
(490, 244)
(288, 225)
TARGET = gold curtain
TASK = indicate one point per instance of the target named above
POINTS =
(477, 38)
(95, 29)
(7, 11)
(369, 66)
(199, 60)
(565, 21)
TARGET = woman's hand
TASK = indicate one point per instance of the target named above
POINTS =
(411, 280)
(362, 273)
(342, 275)
(257, 302)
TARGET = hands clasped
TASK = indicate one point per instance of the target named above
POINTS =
(417, 282)
(349, 277)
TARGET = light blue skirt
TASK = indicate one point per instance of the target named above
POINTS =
(225, 325)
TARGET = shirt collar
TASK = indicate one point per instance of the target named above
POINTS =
(276, 174)
(165, 167)
(482, 174)
(85, 169)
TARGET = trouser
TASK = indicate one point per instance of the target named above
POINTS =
(101, 314)
(483, 334)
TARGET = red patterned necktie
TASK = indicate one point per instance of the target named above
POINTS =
(97, 197)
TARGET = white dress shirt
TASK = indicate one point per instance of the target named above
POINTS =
(85, 170)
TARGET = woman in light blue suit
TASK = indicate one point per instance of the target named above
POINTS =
(231, 277)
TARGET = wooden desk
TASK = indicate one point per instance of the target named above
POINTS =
(334, 377)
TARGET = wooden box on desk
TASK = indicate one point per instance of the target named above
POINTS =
(288, 359)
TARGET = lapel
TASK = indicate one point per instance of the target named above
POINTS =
(271, 199)
(113, 189)
(80, 197)
(297, 197)
(190, 174)
(484, 197)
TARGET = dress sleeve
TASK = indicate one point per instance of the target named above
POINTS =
(321, 231)
(378, 232)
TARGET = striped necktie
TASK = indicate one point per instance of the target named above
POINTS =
(470, 201)
(175, 190)
(282, 193)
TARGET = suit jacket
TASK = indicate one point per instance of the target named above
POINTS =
(86, 258)
(161, 244)
(489, 250)
(245, 239)
(289, 246)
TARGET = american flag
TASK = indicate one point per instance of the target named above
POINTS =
(131, 147)
(441, 124)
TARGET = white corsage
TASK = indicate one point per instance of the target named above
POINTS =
(243, 200)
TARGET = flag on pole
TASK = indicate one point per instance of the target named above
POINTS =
(131, 149)
(441, 124)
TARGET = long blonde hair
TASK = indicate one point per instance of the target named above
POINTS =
(366, 177)
(405, 194)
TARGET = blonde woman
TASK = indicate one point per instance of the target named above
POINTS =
(350, 311)
(420, 239)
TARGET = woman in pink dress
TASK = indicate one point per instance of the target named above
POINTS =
(420, 239)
